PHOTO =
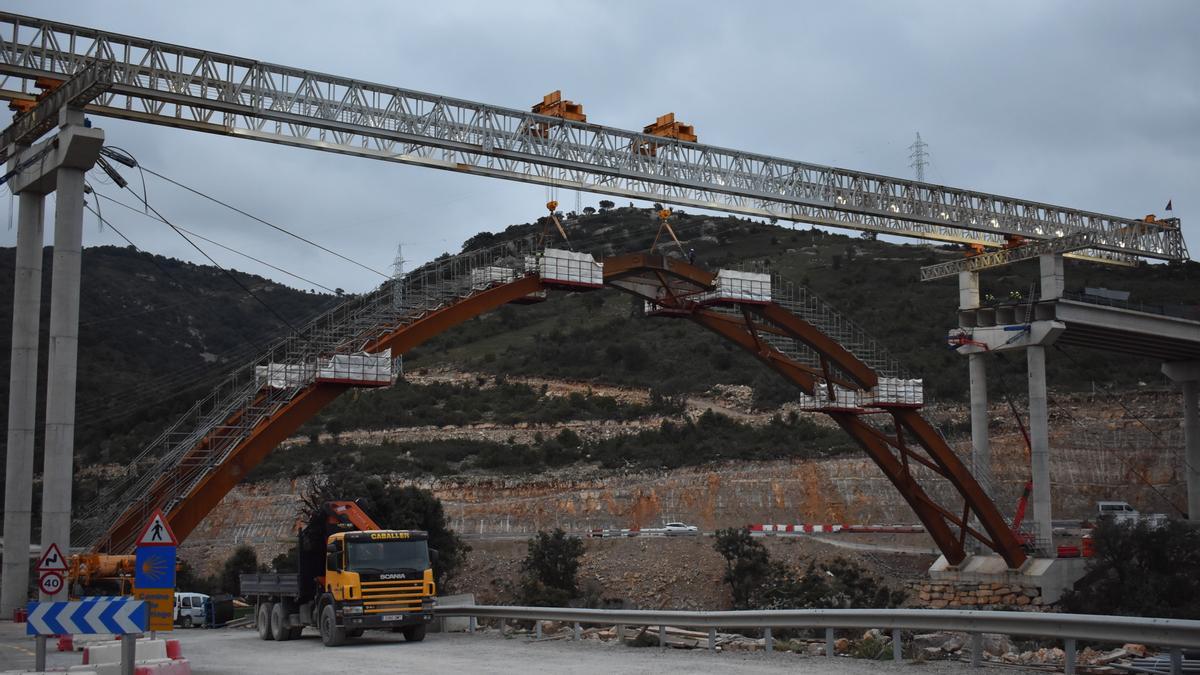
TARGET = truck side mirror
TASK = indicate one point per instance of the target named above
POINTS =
(331, 547)
(433, 556)
(333, 561)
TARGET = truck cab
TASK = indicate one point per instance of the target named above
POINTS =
(379, 579)
(353, 576)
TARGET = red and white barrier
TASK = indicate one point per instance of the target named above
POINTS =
(151, 657)
(809, 528)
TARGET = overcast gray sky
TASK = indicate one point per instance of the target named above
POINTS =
(1093, 105)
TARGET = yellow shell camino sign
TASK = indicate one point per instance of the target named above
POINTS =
(161, 604)
(154, 572)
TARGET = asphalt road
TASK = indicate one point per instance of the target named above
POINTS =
(239, 651)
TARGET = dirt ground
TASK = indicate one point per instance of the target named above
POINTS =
(664, 572)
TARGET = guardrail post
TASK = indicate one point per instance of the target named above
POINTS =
(39, 658)
(1176, 661)
(712, 639)
(768, 639)
(662, 636)
(1069, 656)
(471, 624)
(537, 628)
(128, 653)
(976, 649)
(621, 633)
(829, 650)
(575, 632)
(897, 646)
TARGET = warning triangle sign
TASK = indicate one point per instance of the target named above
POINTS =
(52, 560)
(157, 532)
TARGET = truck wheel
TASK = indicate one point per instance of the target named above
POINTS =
(414, 633)
(262, 621)
(187, 622)
(279, 619)
(331, 634)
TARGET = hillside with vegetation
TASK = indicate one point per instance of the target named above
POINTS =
(155, 333)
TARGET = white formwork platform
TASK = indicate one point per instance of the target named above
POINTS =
(567, 267)
(736, 286)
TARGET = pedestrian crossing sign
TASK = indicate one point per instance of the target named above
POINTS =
(157, 532)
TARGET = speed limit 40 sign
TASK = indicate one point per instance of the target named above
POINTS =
(50, 582)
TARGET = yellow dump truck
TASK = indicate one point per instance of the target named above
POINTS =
(353, 576)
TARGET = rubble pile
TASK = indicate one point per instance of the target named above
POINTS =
(873, 644)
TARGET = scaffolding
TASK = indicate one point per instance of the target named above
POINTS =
(330, 348)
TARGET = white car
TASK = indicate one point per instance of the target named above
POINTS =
(680, 529)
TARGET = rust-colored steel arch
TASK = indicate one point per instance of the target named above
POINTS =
(679, 289)
(209, 492)
(637, 274)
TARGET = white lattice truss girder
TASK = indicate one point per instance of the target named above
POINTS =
(193, 89)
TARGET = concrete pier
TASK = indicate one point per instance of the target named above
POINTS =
(22, 403)
(1187, 374)
(1039, 442)
(62, 162)
(63, 359)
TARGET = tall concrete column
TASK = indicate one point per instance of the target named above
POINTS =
(1039, 441)
(1187, 374)
(1052, 277)
(981, 451)
(981, 455)
(1191, 441)
(22, 403)
(57, 470)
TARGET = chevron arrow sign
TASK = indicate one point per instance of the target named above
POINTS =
(89, 615)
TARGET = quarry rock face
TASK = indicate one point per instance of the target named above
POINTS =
(1098, 452)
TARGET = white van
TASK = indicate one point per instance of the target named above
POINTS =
(1120, 512)
(189, 609)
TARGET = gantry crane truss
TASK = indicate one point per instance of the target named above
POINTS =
(189, 88)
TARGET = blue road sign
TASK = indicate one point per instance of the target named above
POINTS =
(87, 616)
(154, 567)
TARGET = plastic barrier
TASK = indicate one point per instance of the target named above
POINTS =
(808, 528)
(77, 643)
(163, 667)
(110, 652)
(84, 671)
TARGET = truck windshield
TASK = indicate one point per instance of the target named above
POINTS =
(388, 555)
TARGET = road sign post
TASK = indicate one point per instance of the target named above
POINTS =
(154, 572)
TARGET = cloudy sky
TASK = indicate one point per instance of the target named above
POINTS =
(1093, 105)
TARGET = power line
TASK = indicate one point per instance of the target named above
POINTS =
(231, 275)
(255, 218)
(219, 244)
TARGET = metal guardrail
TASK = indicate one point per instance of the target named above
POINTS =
(1172, 633)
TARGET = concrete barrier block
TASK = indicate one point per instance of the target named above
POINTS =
(79, 642)
(110, 652)
(163, 667)
(99, 668)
